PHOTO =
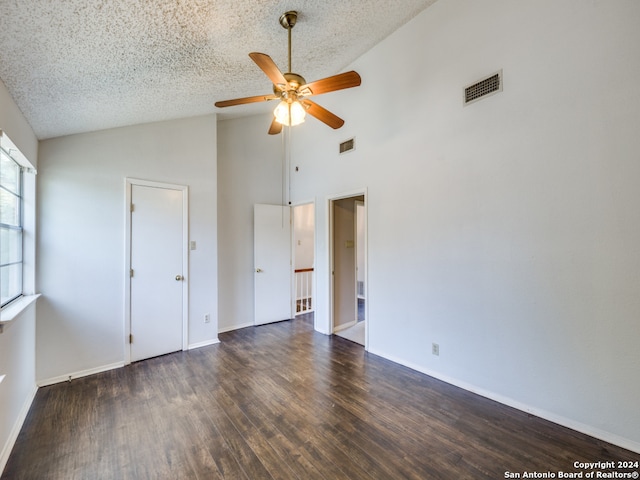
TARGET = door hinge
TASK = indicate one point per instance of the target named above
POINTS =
(130, 338)
(132, 208)
(131, 273)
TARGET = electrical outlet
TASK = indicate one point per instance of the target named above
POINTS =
(435, 349)
(207, 318)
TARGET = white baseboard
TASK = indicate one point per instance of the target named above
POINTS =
(206, 343)
(552, 417)
(15, 431)
(236, 327)
(82, 373)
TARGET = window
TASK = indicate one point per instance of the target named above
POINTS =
(17, 230)
(10, 227)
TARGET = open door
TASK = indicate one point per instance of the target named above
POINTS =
(272, 264)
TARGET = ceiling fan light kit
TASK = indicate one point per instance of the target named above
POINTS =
(292, 89)
(290, 114)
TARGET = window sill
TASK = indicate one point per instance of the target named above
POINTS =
(14, 309)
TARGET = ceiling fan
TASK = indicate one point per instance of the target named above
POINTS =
(293, 90)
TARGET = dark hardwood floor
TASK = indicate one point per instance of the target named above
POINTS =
(281, 401)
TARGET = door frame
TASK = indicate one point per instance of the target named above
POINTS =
(129, 183)
(330, 241)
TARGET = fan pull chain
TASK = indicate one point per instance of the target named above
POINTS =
(289, 168)
(286, 171)
(284, 161)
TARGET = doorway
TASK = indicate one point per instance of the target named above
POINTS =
(157, 263)
(360, 260)
(348, 267)
(304, 258)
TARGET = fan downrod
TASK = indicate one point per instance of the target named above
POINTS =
(288, 20)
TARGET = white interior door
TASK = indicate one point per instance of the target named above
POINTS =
(157, 271)
(272, 262)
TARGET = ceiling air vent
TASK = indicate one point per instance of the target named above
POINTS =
(483, 88)
(348, 145)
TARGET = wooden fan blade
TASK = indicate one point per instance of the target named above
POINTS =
(331, 84)
(242, 101)
(269, 67)
(275, 128)
(323, 114)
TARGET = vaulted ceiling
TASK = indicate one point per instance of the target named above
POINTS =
(81, 65)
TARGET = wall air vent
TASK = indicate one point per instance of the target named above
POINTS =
(348, 145)
(483, 88)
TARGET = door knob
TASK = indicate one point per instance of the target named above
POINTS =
(179, 277)
(258, 270)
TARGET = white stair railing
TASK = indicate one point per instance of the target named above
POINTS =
(304, 290)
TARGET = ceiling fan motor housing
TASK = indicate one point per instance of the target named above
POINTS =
(294, 82)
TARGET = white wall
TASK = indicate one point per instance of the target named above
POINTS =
(249, 172)
(17, 342)
(13, 122)
(303, 234)
(17, 389)
(81, 270)
(360, 245)
(506, 231)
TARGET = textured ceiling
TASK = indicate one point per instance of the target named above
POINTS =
(82, 65)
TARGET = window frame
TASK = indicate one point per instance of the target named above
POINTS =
(14, 309)
(19, 196)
